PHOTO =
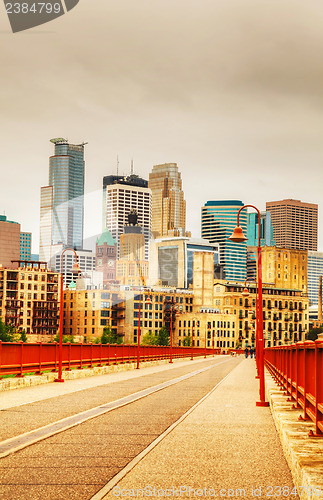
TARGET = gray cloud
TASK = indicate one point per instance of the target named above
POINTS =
(231, 90)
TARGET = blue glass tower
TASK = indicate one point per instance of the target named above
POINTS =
(266, 230)
(219, 218)
(66, 176)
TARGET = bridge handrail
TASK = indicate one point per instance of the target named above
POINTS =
(298, 369)
(18, 358)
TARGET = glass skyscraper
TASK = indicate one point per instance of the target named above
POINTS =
(314, 271)
(266, 230)
(66, 176)
(219, 218)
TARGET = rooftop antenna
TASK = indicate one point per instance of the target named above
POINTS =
(117, 165)
(131, 172)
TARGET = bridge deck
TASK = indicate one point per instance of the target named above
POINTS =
(224, 446)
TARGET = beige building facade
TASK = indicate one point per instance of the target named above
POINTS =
(285, 312)
(29, 300)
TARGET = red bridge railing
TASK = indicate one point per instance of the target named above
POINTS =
(19, 358)
(298, 368)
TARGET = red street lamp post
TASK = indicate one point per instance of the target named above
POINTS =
(75, 269)
(205, 340)
(138, 334)
(193, 319)
(246, 293)
(238, 237)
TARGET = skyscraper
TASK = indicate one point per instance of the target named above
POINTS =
(168, 204)
(25, 246)
(266, 229)
(219, 218)
(62, 201)
(294, 223)
(9, 242)
(120, 196)
(315, 270)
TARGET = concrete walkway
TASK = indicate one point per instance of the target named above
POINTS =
(225, 447)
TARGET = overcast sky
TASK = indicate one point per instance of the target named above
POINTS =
(231, 90)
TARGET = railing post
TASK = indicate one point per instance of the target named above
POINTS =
(21, 360)
(39, 358)
(81, 356)
(318, 389)
(69, 355)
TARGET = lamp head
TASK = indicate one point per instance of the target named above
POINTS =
(245, 292)
(76, 268)
(237, 236)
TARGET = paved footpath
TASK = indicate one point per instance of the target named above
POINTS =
(225, 447)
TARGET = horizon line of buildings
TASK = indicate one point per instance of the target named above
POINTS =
(145, 243)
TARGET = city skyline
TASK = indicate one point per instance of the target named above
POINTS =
(230, 92)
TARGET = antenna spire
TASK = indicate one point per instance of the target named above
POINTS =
(117, 165)
(131, 167)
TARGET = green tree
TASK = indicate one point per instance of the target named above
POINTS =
(163, 336)
(149, 339)
(312, 334)
(7, 332)
(65, 339)
(23, 336)
(110, 337)
(187, 341)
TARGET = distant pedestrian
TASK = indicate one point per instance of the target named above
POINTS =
(251, 352)
(246, 352)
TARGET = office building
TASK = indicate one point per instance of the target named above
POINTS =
(29, 299)
(295, 224)
(219, 218)
(86, 260)
(120, 196)
(168, 204)
(62, 201)
(9, 242)
(176, 260)
(25, 247)
(266, 229)
(132, 268)
(285, 313)
(314, 271)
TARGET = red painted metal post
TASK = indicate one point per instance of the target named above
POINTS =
(171, 334)
(60, 349)
(192, 343)
(138, 335)
(262, 401)
(205, 342)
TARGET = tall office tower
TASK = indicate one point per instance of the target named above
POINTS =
(132, 268)
(120, 196)
(168, 204)
(294, 223)
(314, 271)
(266, 229)
(176, 256)
(62, 201)
(25, 247)
(219, 218)
(9, 242)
